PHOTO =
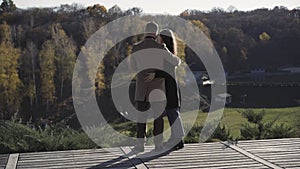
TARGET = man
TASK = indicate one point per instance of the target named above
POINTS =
(146, 82)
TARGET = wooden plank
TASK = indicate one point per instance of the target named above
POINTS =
(292, 145)
(47, 164)
(206, 163)
(70, 157)
(137, 162)
(279, 156)
(67, 153)
(275, 153)
(200, 155)
(208, 158)
(12, 161)
(254, 157)
(115, 160)
(270, 140)
(221, 167)
(197, 165)
(192, 157)
(272, 149)
(3, 160)
(281, 152)
(75, 159)
(62, 154)
(293, 166)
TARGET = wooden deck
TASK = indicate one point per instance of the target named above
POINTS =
(275, 153)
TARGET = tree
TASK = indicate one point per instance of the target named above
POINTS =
(47, 71)
(202, 27)
(89, 26)
(29, 71)
(10, 83)
(264, 36)
(66, 8)
(133, 11)
(185, 13)
(181, 54)
(97, 10)
(217, 10)
(114, 12)
(100, 79)
(8, 6)
(88, 63)
(231, 9)
(236, 51)
(4, 6)
(65, 57)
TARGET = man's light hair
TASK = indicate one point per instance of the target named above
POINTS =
(152, 28)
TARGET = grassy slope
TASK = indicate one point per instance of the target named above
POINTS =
(20, 138)
(233, 120)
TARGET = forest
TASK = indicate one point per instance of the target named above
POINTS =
(39, 48)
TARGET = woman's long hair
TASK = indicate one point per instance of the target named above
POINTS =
(169, 39)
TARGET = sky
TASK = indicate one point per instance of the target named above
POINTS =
(173, 7)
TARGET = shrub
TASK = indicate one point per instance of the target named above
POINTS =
(297, 125)
(256, 128)
(193, 135)
(220, 133)
(17, 137)
(281, 131)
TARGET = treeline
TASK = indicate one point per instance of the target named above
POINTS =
(261, 38)
(39, 47)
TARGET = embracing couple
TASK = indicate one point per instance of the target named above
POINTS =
(159, 50)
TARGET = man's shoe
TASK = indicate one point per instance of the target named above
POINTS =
(174, 146)
(138, 149)
(180, 145)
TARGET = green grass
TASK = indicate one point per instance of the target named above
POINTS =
(17, 137)
(233, 120)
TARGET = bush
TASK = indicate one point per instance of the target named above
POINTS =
(282, 131)
(17, 137)
(253, 117)
(256, 128)
(297, 125)
(193, 135)
(220, 133)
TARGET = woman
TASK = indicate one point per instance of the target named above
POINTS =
(167, 37)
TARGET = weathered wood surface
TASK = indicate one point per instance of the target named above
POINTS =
(3, 160)
(282, 152)
(273, 153)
